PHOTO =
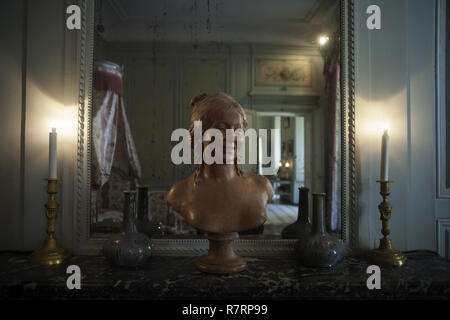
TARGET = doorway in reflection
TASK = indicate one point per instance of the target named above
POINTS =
(289, 155)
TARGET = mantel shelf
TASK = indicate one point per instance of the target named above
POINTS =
(424, 275)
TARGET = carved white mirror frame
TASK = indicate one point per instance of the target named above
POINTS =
(86, 244)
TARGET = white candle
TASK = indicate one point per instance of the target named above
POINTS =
(384, 172)
(52, 154)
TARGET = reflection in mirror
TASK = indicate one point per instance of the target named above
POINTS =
(278, 60)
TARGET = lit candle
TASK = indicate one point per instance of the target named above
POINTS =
(52, 154)
(384, 156)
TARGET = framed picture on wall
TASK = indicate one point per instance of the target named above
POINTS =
(278, 72)
(282, 75)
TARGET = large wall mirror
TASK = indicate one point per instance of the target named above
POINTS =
(142, 62)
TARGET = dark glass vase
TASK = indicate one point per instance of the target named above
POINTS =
(144, 225)
(129, 248)
(302, 227)
(319, 249)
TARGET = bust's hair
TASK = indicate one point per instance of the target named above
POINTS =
(205, 108)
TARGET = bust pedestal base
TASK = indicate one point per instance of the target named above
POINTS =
(221, 258)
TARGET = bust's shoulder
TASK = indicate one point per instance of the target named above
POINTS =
(257, 178)
(178, 192)
(262, 182)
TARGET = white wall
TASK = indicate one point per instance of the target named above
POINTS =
(35, 32)
(395, 82)
(11, 30)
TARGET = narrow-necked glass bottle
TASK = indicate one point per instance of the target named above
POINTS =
(319, 249)
(301, 227)
(144, 224)
(129, 248)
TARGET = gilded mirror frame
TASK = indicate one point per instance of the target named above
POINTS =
(85, 243)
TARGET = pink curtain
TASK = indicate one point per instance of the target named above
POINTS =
(332, 90)
(114, 156)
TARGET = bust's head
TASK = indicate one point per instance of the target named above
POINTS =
(220, 198)
(216, 111)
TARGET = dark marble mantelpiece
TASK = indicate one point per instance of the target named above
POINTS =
(424, 276)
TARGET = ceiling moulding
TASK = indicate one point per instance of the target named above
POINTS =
(320, 15)
(313, 11)
(117, 7)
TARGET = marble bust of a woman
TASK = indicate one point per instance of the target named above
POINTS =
(221, 199)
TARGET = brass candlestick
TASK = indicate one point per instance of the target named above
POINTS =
(385, 254)
(50, 253)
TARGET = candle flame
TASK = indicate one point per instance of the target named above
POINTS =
(386, 127)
